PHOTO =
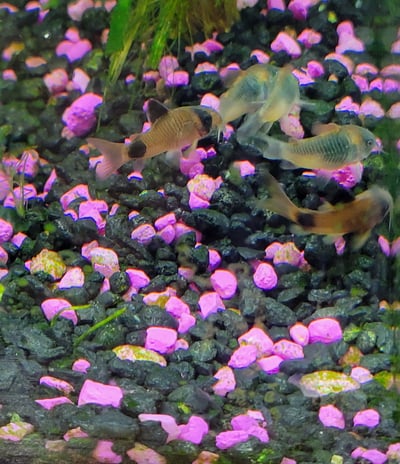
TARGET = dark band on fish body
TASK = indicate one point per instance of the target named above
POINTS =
(305, 219)
(137, 149)
(205, 119)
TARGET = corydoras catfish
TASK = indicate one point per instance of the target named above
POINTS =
(284, 94)
(171, 130)
(247, 92)
(358, 216)
(334, 147)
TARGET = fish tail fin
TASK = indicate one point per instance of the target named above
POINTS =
(268, 146)
(278, 202)
(114, 156)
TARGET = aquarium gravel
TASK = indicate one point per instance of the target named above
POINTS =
(157, 315)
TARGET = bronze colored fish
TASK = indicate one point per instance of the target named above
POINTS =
(174, 129)
(283, 95)
(334, 147)
(248, 91)
(359, 216)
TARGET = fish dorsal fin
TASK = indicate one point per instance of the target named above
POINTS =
(155, 110)
(320, 129)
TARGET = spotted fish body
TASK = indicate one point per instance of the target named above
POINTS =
(337, 147)
(171, 130)
(180, 128)
(359, 216)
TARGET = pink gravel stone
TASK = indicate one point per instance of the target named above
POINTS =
(15, 431)
(384, 245)
(265, 277)
(361, 82)
(243, 356)
(74, 277)
(177, 79)
(261, 56)
(331, 416)
(257, 337)
(210, 100)
(6, 231)
(104, 260)
(103, 453)
(75, 433)
(176, 307)
(59, 384)
(291, 126)
(394, 111)
(300, 334)
(143, 233)
(288, 461)
(141, 454)
(209, 303)
(54, 306)
(272, 249)
(137, 278)
(325, 330)
(80, 80)
(365, 69)
(224, 283)
(371, 107)
(276, 5)
(80, 117)
(186, 322)
(196, 202)
(79, 191)
(161, 339)
(99, 393)
(309, 37)
(77, 8)
(270, 364)
(168, 423)
(9, 75)
(373, 455)
(203, 186)
(74, 48)
(50, 403)
(18, 239)
(344, 60)
(347, 104)
(288, 350)
(167, 65)
(288, 254)
(205, 68)
(393, 452)
(300, 8)
(284, 42)
(56, 81)
(367, 417)
(226, 381)
(245, 168)
(81, 365)
(164, 221)
(225, 440)
(194, 431)
(361, 374)
(315, 69)
(167, 234)
(214, 259)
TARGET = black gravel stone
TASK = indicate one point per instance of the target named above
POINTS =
(278, 314)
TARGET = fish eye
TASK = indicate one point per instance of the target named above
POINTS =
(370, 142)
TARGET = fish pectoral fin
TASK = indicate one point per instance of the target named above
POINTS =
(155, 110)
(358, 240)
(331, 238)
(186, 152)
(298, 230)
(320, 129)
(288, 165)
(173, 157)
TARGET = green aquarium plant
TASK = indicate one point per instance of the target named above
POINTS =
(150, 25)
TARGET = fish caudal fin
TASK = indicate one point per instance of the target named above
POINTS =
(268, 146)
(114, 156)
(277, 202)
